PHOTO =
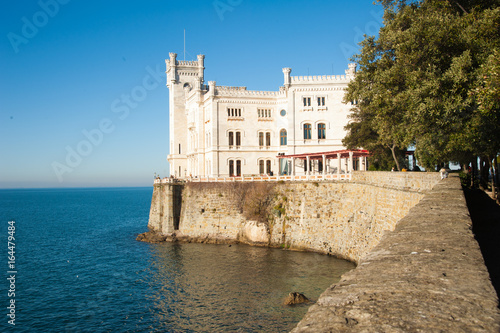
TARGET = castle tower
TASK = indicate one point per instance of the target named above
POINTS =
(182, 77)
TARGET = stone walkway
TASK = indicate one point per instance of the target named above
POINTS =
(426, 276)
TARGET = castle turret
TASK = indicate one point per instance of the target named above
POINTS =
(286, 73)
(351, 71)
(182, 76)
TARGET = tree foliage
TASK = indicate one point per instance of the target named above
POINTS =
(430, 79)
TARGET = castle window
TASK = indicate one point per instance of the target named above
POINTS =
(238, 139)
(321, 131)
(268, 167)
(263, 113)
(307, 101)
(238, 168)
(261, 139)
(261, 167)
(307, 131)
(268, 139)
(283, 137)
(231, 168)
(233, 112)
(321, 101)
(234, 139)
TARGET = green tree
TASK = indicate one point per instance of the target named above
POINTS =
(415, 80)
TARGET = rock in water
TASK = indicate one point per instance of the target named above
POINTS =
(295, 298)
(150, 237)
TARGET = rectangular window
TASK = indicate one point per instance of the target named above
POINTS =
(268, 139)
(321, 101)
(231, 139)
(261, 167)
(231, 168)
(264, 113)
(261, 139)
(307, 101)
(233, 112)
(238, 139)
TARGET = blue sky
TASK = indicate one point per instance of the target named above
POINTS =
(83, 100)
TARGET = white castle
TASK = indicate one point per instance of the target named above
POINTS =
(221, 131)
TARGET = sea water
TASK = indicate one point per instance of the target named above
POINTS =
(78, 268)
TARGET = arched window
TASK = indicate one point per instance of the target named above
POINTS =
(307, 131)
(268, 139)
(268, 167)
(261, 139)
(238, 168)
(231, 139)
(283, 137)
(261, 167)
(321, 131)
(231, 168)
(238, 139)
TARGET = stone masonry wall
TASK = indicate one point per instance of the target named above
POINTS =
(408, 181)
(166, 203)
(338, 218)
(428, 275)
(210, 211)
(342, 219)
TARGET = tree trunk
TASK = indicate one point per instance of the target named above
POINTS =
(497, 179)
(485, 169)
(494, 178)
(393, 150)
(474, 172)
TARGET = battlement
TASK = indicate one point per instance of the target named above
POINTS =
(191, 63)
(319, 78)
(349, 74)
(242, 91)
(182, 69)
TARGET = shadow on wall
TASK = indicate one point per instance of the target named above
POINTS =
(485, 216)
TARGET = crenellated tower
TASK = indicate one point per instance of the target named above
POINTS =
(182, 77)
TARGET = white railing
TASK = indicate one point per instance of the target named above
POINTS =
(346, 176)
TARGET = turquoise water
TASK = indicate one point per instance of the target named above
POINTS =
(80, 269)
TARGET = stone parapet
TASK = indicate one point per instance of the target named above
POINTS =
(408, 181)
(426, 276)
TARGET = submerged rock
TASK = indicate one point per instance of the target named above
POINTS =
(151, 237)
(295, 298)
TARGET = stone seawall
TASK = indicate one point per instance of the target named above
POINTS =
(419, 266)
(345, 219)
(426, 276)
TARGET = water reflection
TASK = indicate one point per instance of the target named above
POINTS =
(207, 288)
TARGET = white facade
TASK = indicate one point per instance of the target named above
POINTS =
(220, 131)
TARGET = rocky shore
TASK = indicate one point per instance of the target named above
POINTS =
(152, 236)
